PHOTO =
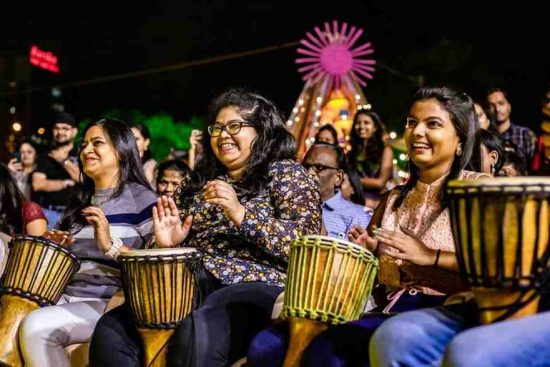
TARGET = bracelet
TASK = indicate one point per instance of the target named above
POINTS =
(114, 251)
(437, 258)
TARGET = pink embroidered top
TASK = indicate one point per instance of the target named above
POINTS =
(421, 213)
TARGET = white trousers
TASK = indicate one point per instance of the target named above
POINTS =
(45, 332)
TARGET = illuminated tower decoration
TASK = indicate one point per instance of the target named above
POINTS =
(333, 69)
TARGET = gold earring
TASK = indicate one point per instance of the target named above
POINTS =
(459, 151)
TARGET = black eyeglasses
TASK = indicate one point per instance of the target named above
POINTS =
(317, 168)
(232, 128)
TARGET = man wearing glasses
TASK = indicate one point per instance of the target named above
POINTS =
(326, 164)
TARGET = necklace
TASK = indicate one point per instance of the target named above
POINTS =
(98, 201)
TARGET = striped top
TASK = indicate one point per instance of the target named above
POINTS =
(130, 219)
(340, 215)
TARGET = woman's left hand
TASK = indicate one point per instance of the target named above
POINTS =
(102, 233)
(409, 247)
(221, 193)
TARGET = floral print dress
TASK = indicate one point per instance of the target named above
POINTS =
(289, 208)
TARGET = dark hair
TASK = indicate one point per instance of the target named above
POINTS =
(492, 122)
(272, 143)
(460, 108)
(29, 142)
(494, 142)
(330, 129)
(341, 161)
(120, 136)
(355, 181)
(32, 144)
(375, 144)
(11, 203)
(516, 159)
(174, 165)
(492, 90)
(65, 118)
(144, 131)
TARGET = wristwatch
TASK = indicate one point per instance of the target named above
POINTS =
(114, 251)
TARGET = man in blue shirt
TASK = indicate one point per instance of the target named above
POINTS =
(326, 163)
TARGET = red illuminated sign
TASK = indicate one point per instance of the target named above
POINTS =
(43, 59)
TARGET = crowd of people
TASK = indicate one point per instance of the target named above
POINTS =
(241, 198)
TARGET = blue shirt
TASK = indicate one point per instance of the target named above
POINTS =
(340, 215)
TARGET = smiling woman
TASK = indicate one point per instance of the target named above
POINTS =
(369, 156)
(112, 212)
(244, 203)
(410, 231)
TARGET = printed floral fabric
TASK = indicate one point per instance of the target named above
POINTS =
(289, 208)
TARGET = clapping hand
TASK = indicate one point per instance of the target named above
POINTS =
(407, 246)
(102, 232)
(168, 227)
(361, 237)
(223, 194)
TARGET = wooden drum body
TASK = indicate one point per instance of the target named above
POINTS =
(501, 229)
(160, 288)
(36, 274)
(328, 282)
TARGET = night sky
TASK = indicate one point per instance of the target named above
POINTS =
(469, 44)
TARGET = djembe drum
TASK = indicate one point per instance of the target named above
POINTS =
(160, 288)
(501, 231)
(36, 274)
(328, 282)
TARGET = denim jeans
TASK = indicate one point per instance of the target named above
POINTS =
(448, 336)
(342, 345)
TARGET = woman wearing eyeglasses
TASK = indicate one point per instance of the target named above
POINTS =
(244, 203)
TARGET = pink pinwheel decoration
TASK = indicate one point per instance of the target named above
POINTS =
(332, 53)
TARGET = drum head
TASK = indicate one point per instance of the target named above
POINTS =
(333, 240)
(44, 241)
(39, 239)
(501, 184)
(161, 252)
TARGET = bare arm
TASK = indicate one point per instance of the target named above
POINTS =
(73, 170)
(150, 172)
(40, 182)
(36, 227)
(447, 260)
(385, 172)
(192, 157)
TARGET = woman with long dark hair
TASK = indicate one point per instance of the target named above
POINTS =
(327, 134)
(143, 140)
(369, 155)
(410, 231)
(351, 187)
(111, 212)
(17, 214)
(245, 202)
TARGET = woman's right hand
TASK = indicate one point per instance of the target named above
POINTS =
(168, 229)
(361, 237)
(14, 165)
(62, 238)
